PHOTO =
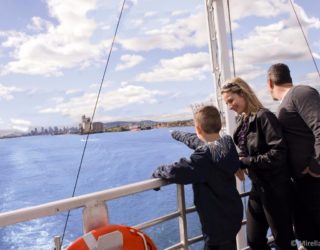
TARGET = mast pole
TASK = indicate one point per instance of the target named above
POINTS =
(219, 55)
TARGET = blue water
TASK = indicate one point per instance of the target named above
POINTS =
(41, 169)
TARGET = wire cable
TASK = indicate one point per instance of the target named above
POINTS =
(93, 114)
(305, 38)
(231, 40)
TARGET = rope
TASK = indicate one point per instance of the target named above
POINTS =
(305, 38)
(144, 240)
(93, 114)
(231, 41)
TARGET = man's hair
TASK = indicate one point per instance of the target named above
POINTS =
(279, 74)
(209, 119)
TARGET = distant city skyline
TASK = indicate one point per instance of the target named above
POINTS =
(52, 57)
(96, 127)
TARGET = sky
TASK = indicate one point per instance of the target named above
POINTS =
(53, 54)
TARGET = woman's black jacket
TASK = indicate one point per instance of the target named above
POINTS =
(267, 153)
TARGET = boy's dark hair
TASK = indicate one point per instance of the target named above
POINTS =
(279, 73)
(209, 119)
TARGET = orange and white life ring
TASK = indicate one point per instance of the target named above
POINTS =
(115, 237)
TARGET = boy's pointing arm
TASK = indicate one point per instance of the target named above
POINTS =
(190, 139)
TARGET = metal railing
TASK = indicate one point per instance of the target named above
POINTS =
(51, 208)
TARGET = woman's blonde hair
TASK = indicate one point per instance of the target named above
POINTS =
(240, 87)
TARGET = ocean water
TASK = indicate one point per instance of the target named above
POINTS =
(41, 169)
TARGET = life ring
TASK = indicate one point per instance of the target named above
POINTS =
(115, 237)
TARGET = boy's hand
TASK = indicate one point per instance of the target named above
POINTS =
(240, 175)
(155, 175)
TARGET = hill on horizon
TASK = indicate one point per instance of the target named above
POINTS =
(128, 123)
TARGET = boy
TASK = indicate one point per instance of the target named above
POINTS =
(211, 170)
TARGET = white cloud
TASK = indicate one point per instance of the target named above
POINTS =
(275, 42)
(57, 99)
(20, 128)
(124, 83)
(94, 86)
(39, 24)
(316, 55)
(133, 2)
(129, 4)
(129, 61)
(150, 13)
(306, 21)
(280, 41)
(104, 26)
(70, 41)
(179, 12)
(14, 38)
(182, 68)
(33, 91)
(73, 91)
(20, 124)
(6, 93)
(187, 31)
(266, 99)
(249, 71)
(311, 79)
(62, 46)
(163, 21)
(266, 8)
(136, 22)
(180, 114)
(125, 96)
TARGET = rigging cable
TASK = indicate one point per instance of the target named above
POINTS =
(305, 38)
(93, 114)
(231, 41)
(234, 75)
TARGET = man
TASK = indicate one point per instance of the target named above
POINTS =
(299, 115)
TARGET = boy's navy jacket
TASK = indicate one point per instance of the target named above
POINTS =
(211, 170)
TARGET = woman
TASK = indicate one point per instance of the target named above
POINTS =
(263, 156)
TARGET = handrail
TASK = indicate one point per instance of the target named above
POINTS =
(47, 209)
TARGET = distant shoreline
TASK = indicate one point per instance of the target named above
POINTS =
(108, 128)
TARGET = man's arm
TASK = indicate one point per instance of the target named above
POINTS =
(194, 170)
(307, 102)
(190, 139)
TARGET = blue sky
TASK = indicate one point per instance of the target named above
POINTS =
(53, 52)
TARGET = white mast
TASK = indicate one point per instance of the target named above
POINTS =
(219, 55)
(218, 48)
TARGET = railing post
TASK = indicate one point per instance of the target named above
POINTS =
(57, 243)
(182, 217)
